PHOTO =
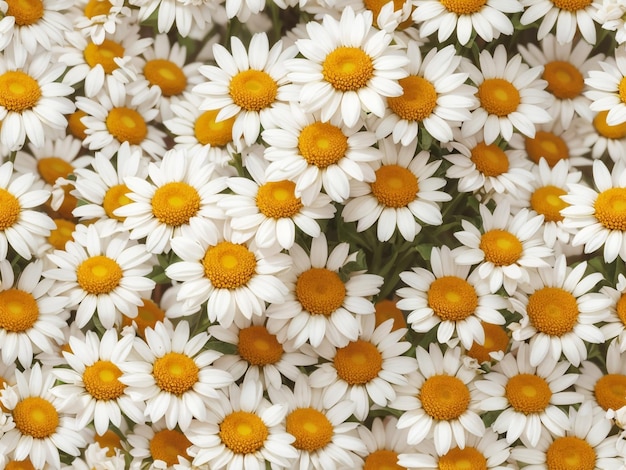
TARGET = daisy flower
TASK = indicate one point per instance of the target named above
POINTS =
(439, 400)
(559, 314)
(348, 67)
(97, 458)
(510, 94)
(196, 15)
(569, 17)
(320, 304)
(269, 211)
(488, 18)
(435, 97)
(324, 438)
(155, 447)
(610, 16)
(179, 199)
(175, 377)
(506, 248)
(42, 428)
(97, 18)
(385, 444)
(605, 387)
(606, 88)
(318, 154)
(597, 217)
(615, 322)
(602, 138)
(101, 275)
(242, 430)
(246, 84)
(449, 298)
(528, 396)
(387, 309)
(496, 343)
(365, 369)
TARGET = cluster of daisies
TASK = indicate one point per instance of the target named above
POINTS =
(313, 234)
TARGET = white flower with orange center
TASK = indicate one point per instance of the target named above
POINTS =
(385, 444)
(348, 67)
(610, 16)
(434, 97)
(174, 376)
(322, 304)
(615, 322)
(607, 88)
(246, 85)
(528, 396)
(42, 428)
(603, 138)
(497, 341)
(269, 211)
(97, 18)
(92, 383)
(569, 17)
(559, 314)
(439, 400)
(488, 18)
(97, 458)
(364, 370)
(598, 217)
(510, 93)
(195, 15)
(404, 191)
(31, 320)
(157, 447)
(448, 298)
(506, 248)
(103, 276)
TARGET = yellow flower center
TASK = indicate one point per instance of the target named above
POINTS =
(62, 233)
(110, 441)
(51, 168)
(610, 208)
(552, 311)
(310, 427)
(358, 362)
(18, 310)
(175, 373)
(395, 186)
(375, 6)
(20, 465)
(175, 203)
(97, 8)
(496, 339)
(382, 459)
(210, 132)
(320, 291)
(468, 458)
(616, 132)
(528, 393)
(243, 432)
(99, 275)
(452, 298)
(547, 145)
(169, 444)
(148, 314)
(166, 75)
(104, 54)
(101, 380)
(258, 346)
(347, 68)
(570, 453)
(253, 90)
(9, 209)
(610, 391)
(418, 100)
(278, 199)
(498, 96)
(36, 417)
(564, 80)
(18, 91)
(75, 125)
(25, 12)
(67, 206)
(126, 125)
(463, 7)
(444, 397)
(572, 5)
(547, 202)
(621, 308)
(322, 144)
(228, 265)
(114, 198)
(502, 248)
(386, 309)
(490, 160)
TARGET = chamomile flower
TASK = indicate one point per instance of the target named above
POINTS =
(385, 444)
(348, 67)
(511, 96)
(449, 298)
(97, 18)
(175, 377)
(320, 304)
(559, 314)
(605, 387)
(155, 447)
(246, 85)
(615, 322)
(610, 16)
(364, 370)
(100, 275)
(488, 18)
(506, 247)
(439, 400)
(529, 396)
(597, 216)
(97, 458)
(496, 343)
(606, 88)
(603, 138)
(196, 15)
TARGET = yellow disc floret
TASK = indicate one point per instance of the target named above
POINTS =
(310, 427)
(496, 339)
(463, 7)
(109, 441)
(564, 79)
(101, 380)
(320, 291)
(382, 459)
(253, 90)
(51, 168)
(570, 453)
(228, 265)
(572, 5)
(490, 159)
(20, 465)
(452, 298)
(610, 391)
(347, 68)
(547, 202)
(552, 311)
(322, 144)
(9, 209)
(97, 8)
(528, 393)
(62, 233)
(75, 126)
(169, 444)
(114, 198)
(175, 203)
(616, 132)
(468, 458)
(166, 75)
(386, 309)
(104, 55)
(610, 207)
(417, 101)
(358, 362)
(99, 275)
(277, 199)
(444, 397)
(395, 186)
(208, 131)
(25, 12)
(18, 91)
(175, 373)
(18, 310)
(148, 314)
(36, 417)
(547, 145)
(502, 248)
(243, 432)
(126, 125)
(498, 96)
(258, 346)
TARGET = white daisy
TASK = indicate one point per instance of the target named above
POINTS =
(610, 16)
(615, 322)
(155, 447)
(496, 343)
(190, 17)
(602, 138)
(97, 18)
(607, 91)
(97, 458)
(385, 444)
